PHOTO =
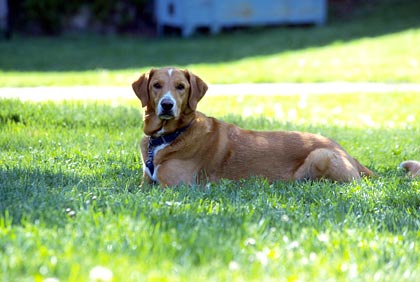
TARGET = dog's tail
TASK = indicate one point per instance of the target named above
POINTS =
(413, 167)
(364, 171)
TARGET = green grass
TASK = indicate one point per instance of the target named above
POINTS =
(377, 46)
(69, 197)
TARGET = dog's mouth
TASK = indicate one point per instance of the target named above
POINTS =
(166, 116)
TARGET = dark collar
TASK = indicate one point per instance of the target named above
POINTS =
(167, 138)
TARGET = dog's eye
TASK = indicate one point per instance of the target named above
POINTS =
(157, 85)
(180, 87)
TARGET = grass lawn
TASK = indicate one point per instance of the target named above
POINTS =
(69, 198)
(378, 46)
(69, 171)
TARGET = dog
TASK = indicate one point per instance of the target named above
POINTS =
(184, 146)
(413, 168)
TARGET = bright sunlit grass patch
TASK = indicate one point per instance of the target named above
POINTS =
(358, 110)
(276, 55)
(389, 58)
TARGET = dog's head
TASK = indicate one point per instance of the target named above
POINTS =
(168, 94)
(169, 91)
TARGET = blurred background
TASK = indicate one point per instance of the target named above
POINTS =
(149, 17)
(100, 42)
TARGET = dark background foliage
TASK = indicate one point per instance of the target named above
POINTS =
(53, 16)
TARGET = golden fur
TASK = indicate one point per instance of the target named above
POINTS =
(210, 149)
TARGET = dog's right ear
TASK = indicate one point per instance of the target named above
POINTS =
(141, 88)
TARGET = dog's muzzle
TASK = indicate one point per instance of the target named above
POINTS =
(166, 109)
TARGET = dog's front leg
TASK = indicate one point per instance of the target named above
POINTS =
(175, 172)
(146, 181)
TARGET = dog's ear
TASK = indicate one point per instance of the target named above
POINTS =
(141, 87)
(197, 89)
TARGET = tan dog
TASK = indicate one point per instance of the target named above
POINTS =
(413, 167)
(185, 146)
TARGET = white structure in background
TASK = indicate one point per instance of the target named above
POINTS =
(188, 15)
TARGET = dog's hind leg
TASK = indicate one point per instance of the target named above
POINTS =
(326, 163)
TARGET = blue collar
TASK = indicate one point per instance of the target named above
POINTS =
(158, 141)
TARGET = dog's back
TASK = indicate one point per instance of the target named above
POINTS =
(276, 154)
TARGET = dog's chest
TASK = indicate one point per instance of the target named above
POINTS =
(155, 145)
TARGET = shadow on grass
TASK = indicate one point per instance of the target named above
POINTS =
(35, 195)
(81, 53)
(54, 199)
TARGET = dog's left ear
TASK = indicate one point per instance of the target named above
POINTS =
(197, 89)
(141, 88)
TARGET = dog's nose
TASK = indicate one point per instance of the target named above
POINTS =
(167, 104)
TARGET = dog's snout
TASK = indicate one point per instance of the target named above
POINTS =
(167, 107)
(167, 104)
